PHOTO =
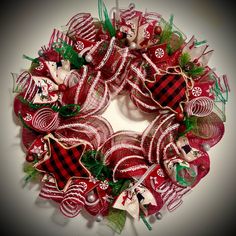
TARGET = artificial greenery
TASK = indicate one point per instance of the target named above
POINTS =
(189, 67)
(196, 71)
(190, 123)
(116, 219)
(166, 33)
(104, 18)
(184, 59)
(68, 53)
(31, 173)
(93, 162)
(119, 186)
(68, 110)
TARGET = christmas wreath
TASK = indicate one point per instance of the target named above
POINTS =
(72, 150)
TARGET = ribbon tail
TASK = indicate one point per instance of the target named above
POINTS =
(103, 15)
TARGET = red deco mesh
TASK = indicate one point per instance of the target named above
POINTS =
(209, 129)
(123, 154)
(93, 130)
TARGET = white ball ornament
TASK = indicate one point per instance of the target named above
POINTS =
(88, 58)
(133, 45)
(206, 147)
(91, 197)
(99, 218)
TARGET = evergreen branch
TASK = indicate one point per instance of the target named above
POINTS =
(93, 162)
(166, 33)
(196, 71)
(119, 186)
(31, 173)
(184, 59)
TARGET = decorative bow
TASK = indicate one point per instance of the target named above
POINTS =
(134, 199)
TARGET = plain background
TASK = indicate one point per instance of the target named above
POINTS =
(26, 26)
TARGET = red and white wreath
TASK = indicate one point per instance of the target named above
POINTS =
(81, 163)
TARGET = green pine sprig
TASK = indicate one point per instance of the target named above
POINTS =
(196, 71)
(93, 162)
(184, 59)
(31, 173)
(166, 34)
(119, 186)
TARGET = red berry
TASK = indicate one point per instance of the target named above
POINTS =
(62, 87)
(182, 128)
(158, 30)
(202, 167)
(180, 116)
(29, 158)
(119, 35)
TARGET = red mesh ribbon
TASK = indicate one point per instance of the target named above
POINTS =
(156, 137)
(81, 25)
(208, 130)
(122, 153)
(92, 130)
(91, 93)
(73, 199)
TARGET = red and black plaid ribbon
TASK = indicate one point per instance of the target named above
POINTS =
(168, 90)
(63, 163)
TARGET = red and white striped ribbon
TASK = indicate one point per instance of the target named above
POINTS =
(200, 106)
(150, 16)
(157, 135)
(172, 195)
(123, 154)
(26, 84)
(58, 36)
(45, 120)
(50, 191)
(128, 13)
(82, 25)
(94, 131)
(91, 93)
(74, 199)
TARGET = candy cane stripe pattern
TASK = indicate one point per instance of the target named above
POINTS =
(81, 163)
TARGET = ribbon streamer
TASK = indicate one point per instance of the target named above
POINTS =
(104, 17)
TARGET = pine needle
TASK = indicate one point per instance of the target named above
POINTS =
(166, 33)
(184, 59)
(196, 71)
